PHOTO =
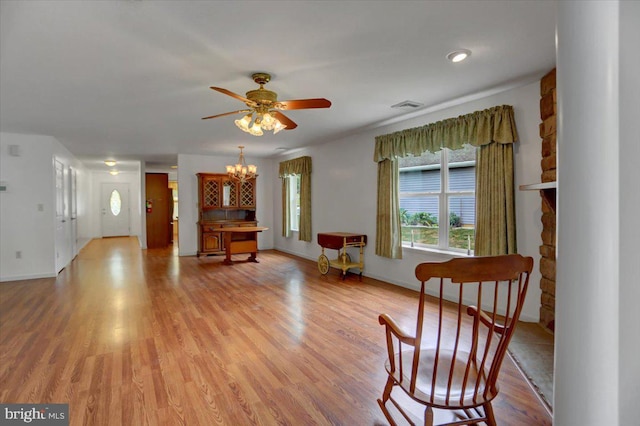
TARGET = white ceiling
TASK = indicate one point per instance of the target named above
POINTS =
(130, 79)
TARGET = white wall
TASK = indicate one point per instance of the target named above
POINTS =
(597, 337)
(27, 219)
(189, 165)
(344, 181)
(83, 193)
(629, 338)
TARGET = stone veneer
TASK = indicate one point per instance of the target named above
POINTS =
(548, 112)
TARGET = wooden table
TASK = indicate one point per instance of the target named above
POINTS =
(248, 243)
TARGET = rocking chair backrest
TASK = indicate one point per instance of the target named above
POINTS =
(466, 348)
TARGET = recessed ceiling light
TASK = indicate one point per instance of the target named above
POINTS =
(110, 163)
(459, 55)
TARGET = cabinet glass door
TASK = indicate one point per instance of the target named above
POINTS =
(247, 194)
(229, 194)
(210, 197)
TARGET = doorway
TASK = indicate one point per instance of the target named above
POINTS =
(114, 203)
(158, 205)
(173, 186)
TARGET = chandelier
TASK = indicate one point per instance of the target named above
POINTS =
(241, 171)
(264, 120)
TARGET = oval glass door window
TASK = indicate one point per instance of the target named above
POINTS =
(115, 202)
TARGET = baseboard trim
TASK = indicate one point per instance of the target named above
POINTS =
(27, 277)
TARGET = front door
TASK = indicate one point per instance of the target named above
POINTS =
(115, 209)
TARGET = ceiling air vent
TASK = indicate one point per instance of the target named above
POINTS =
(407, 104)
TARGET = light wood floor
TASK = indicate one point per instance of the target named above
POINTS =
(135, 337)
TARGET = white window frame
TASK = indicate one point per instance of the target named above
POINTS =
(444, 195)
(294, 202)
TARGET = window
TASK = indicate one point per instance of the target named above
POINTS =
(294, 202)
(115, 202)
(434, 186)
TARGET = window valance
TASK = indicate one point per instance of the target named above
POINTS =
(296, 166)
(477, 128)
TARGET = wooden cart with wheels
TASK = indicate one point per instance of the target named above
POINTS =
(341, 241)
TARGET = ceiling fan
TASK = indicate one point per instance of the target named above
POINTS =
(265, 106)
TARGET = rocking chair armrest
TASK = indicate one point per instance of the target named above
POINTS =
(485, 319)
(392, 327)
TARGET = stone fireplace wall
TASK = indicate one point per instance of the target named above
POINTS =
(548, 111)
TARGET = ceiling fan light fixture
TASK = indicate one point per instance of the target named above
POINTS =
(268, 122)
(458, 55)
(278, 127)
(266, 107)
(243, 123)
(256, 130)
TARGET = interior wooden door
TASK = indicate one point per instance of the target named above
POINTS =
(157, 203)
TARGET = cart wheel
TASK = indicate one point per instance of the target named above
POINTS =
(323, 264)
(344, 255)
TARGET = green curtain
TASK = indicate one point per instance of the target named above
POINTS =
(388, 236)
(297, 166)
(286, 220)
(477, 128)
(494, 127)
(304, 232)
(495, 202)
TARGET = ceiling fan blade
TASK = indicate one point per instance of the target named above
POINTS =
(227, 113)
(285, 120)
(304, 104)
(234, 95)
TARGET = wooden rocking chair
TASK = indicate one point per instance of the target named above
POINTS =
(465, 330)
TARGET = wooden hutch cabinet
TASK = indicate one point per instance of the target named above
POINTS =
(222, 202)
